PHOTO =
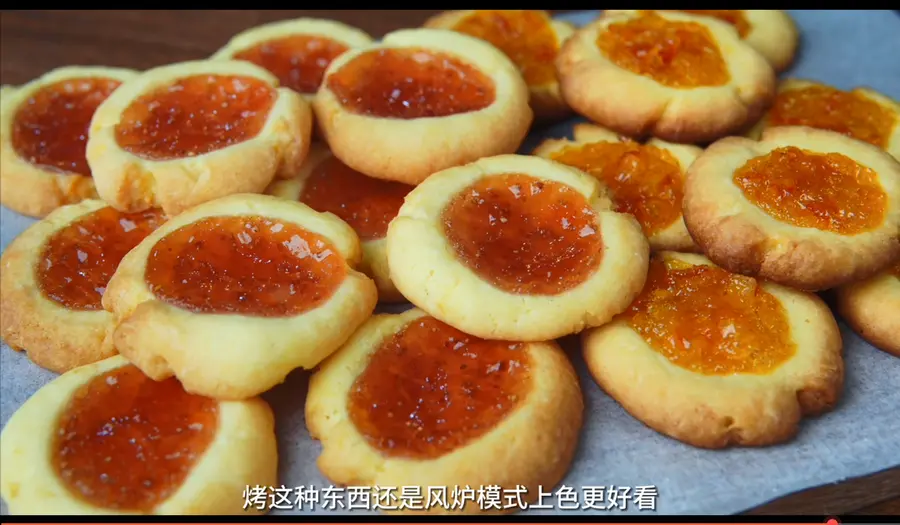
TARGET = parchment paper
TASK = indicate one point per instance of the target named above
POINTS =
(843, 48)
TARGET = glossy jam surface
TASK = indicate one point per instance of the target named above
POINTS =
(77, 261)
(244, 265)
(195, 115)
(734, 17)
(299, 61)
(711, 321)
(126, 442)
(368, 205)
(50, 129)
(524, 235)
(430, 389)
(409, 83)
(827, 108)
(675, 54)
(525, 36)
(646, 181)
(829, 192)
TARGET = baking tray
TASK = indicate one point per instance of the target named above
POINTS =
(842, 48)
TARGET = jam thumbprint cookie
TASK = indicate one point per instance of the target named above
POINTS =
(183, 134)
(516, 247)
(296, 51)
(420, 101)
(530, 38)
(233, 294)
(106, 439)
(368, 205)
(53, 278)
(411, 401)
(802, 207)
(682, 78)
(714, 359)
(872, 308)
(43, 136)
(861, 113)
(645, 180)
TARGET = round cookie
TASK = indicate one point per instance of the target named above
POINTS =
(410, 401)
(43, 131)
(872, 309)
(233, 294)
(807, 208)
(530, 38)
(645, 180)
(183, 134)
(54, 275)
(710, 85)
(861, 113)
(326, 184)
(106, 439)
(420, 101)
(735, 361)
(516, 248)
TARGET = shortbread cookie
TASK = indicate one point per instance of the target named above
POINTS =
(326, 184)
(861, 113)
(106, 439)
(682, 78)
(54, 275)
(803, 207)
(645, 180)
(296, 51)
(410, 401)
(517, 248)
(713, 358)
(183, 134)
(420, 101)
(43, 131)
(233, 294)
(530, 38)
(872, 309)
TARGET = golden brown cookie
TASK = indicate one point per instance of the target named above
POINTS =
(709, 84)
(861, 113)
(803, 207)
(326, 184)
(183, 134)
(713, 358)
(43, 131)
(410, 401)
(420, 101)
(872, 308)
(106, 439)
(516, 247)
(54, 275)
(233, 294)
(645, 180)
(530, 38)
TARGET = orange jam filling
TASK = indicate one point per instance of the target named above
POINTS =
(78, 261)
(244, 265)
(824, 107)
(734, 17)
(410, 83)
(194, 116)
(710, 321)
(50, 129)
(430, 389)
(675, 54)
(368, 205)
(524, 235)
(829, 192)
(299, 61)
(646, 181)
(526, 37)
(126, 442)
